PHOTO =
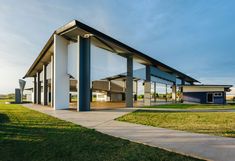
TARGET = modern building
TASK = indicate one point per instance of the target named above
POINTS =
(64, 67)
(205, 94)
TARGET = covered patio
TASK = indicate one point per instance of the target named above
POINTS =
(66, 74)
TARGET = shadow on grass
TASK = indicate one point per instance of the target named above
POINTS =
(4, 118)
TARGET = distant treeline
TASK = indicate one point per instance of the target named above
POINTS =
(7, 96)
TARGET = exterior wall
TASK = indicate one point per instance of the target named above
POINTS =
(100, 85)
(202, 89)
(201, 97)
(115, 97)
(195, 97)
(29, 97)
(117, 86)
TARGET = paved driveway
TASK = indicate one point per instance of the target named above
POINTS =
(197, 145)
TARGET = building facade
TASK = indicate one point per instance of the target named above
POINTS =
(205, 94)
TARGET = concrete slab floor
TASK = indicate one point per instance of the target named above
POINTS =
(203, 146)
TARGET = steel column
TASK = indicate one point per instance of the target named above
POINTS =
(84, 73)
(129, 82)
(147, 87)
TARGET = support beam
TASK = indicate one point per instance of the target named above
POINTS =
(147, 87)
(109, 91)
(166, 92)
(84, 73)
(182, 83)
(52, 81)
(129, 82)
(35, 89)
(45, 85)
(38, 88)
(155, 97)
(174, 93)
(136, 91)
(61, 78)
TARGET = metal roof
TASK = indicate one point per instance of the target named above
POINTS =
(74, 28)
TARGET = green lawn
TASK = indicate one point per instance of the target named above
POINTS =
(214, 123)
(3, 101)
(192, 106)
(30, 135)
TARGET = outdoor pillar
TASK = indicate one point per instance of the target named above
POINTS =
(174, 93)
(155, 97)
(136, 91)
(35, 89)
(147, 87)
(182, 83)
(70, 97)
(38, 88)
(61, 78)
(84, 73)
(109, 91)
(166, 92)
(129, 82)
(45, 85)
(52, 81)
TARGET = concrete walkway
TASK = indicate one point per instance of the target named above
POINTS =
(197, 145)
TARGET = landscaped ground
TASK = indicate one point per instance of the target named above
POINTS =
(30, 135)
(215, 123)
(3, 101)
(192, 106)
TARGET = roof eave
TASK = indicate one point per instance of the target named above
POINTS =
(42, 53)
(76, 24)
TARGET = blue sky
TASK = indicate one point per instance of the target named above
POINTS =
(195, 37)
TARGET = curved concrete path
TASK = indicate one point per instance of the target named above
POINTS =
(197, 145)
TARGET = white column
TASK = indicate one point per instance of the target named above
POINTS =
(61, 78)
(77, 70)
(35, 89)
(147, 87)
(38, 88)
(45, 85)
(52, 81)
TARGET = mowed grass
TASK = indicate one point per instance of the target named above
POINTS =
(192, 106)
(29, 135)
(213, 123)
(3, 101)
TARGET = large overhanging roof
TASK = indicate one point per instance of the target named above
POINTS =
(71, 31)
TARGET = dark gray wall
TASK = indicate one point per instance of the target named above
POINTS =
(201, 97)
